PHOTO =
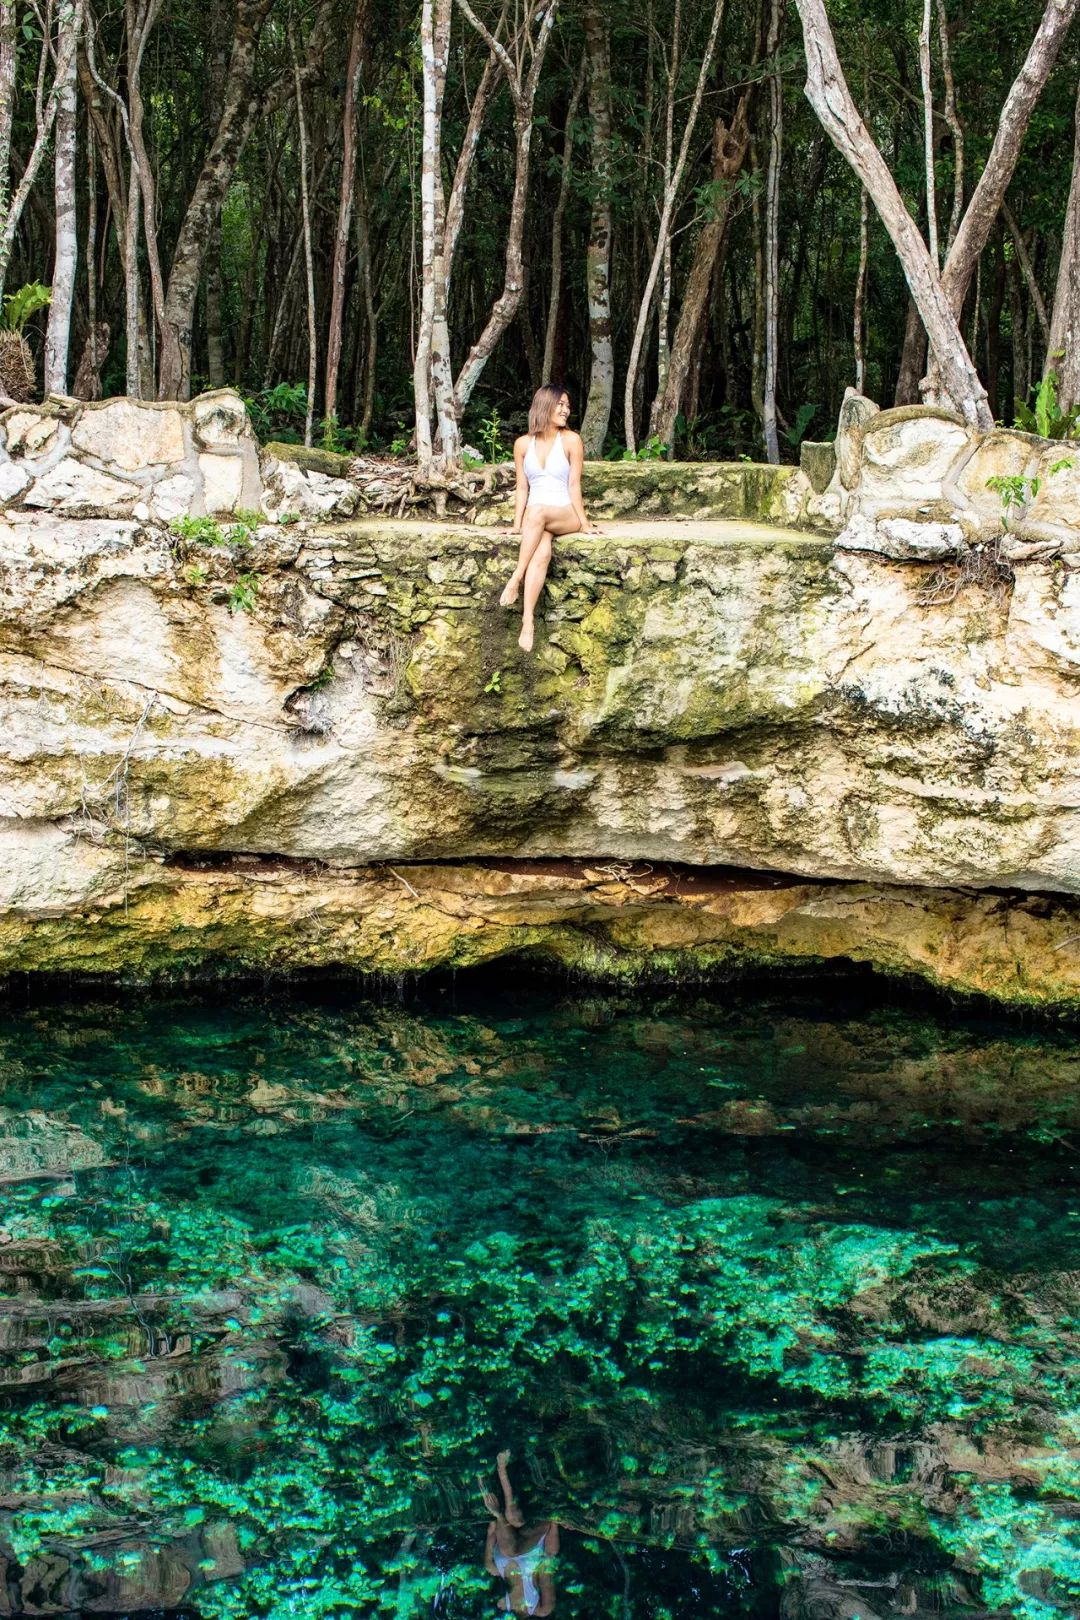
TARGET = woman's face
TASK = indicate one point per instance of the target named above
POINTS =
(562, 411)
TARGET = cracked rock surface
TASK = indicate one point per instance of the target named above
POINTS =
(706, 694)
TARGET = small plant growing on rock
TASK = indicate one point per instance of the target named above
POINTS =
(195, 574)
(495, 683)
(1016, 490)
(243, 593)
(491, 435)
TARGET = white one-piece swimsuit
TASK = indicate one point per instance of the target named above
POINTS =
(548, 485)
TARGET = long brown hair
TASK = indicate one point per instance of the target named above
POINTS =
(543, 406)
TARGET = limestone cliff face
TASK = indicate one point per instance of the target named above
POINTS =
(702, 693)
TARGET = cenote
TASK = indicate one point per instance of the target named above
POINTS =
(773, 1296)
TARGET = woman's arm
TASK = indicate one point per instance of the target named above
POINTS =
(577, 457)
(489, 1551)
(521, 488)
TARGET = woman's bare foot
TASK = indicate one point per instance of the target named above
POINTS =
(510, 590)
(525, 640)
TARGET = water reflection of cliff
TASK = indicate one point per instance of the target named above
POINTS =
(768, 1302)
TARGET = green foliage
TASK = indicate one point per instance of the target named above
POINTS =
(278, 412)
(653, 449)
(242, 593)
(1017, 490)
(494, 683)
(491, 435)
(795, 434)
(1044, 416)
(20, 305)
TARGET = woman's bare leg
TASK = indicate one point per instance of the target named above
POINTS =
(557, 521)
(535, 575)
(532, 532)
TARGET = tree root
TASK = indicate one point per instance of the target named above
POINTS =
(397, 489)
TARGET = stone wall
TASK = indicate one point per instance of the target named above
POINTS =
(153, 463)
(914, 483)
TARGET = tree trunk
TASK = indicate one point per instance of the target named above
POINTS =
(928, 129)
(522, 88)
(857, 319)
(663, 314)
(58, 334)
(215, 343)
(989, 194)
(828, 94)
(71, 20)
(772, 236)
(597, 413)
(7, 97)
(431, 367)
(363, 241)
(547, 366)
(664, 229)
(309, 258)
(1023, 259)
(1063, 348)
(956, 129)
(729, 148)
(242, 102)
(455, 204)
(345, 206)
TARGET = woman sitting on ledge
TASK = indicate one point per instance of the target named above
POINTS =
(547, 500)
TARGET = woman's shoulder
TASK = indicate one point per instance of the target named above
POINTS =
(522, 441)
(571, 436)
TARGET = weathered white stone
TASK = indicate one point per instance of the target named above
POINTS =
(29, 433)
(13, 480)
(72, 487)
(901, 539)
(221, 419)
(311, 494)
(1054, 513)
(331, 496)
(907, 454)
(855, 413)
(172, 497)
(223, 483)
(285, 489)
(1001, 454)
(130, 435)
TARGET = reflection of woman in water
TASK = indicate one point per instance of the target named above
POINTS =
(520, 1553)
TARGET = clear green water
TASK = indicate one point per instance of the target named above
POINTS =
(775, 1302)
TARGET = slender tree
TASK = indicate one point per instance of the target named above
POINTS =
(597, 413)
(65, 258)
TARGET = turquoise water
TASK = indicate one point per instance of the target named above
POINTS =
(775, 1303)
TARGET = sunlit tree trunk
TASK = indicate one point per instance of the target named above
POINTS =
(345, 207)
(664, 229)
(1063, 347)
(547, 365)
(597, 413)
(828, 94)
(7, 96)
(432, 376)
(522, 85)
(309, 257)
(730, 146)
(69, 27)
(58, 332)
(772, 237)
